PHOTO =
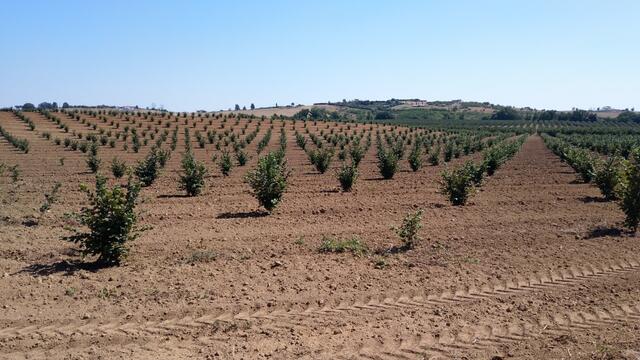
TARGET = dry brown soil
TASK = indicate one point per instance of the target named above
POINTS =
(533, 268)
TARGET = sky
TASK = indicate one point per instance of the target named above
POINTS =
(211, 55)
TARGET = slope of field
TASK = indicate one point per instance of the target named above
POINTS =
(532, 268)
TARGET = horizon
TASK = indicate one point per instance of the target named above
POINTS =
(202, 56)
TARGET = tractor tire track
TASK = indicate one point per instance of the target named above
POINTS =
(483, 337)
(520, 285)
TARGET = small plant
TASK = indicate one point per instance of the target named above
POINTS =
(408, 231)
(352, 245)
(241, 157)
(434, 156)
(201, 256)
(118, 167)
(347, 176)
(15, 173)
(61, 161)
(225, 163)
(50, 198)
(387, 163)
(193, 174)
(93, 161)
(111, 219)
(457, 185)
(630, 191)
(269, 180)
(380, 263)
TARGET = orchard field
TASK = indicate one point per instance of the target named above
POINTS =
(528, 255)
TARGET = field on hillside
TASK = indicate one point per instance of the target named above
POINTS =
(536, 265)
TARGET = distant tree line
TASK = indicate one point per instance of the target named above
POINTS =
(42, 106)
(511, 113)
(316, 113)
(629, 116)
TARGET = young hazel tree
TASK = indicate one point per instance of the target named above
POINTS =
(111, 220)
(225, 163)
(148, 170)
(193, 175)
(630, 191)
(415, 157)
(408, 232)
(347, 176)
(93, 161)
(269, 180)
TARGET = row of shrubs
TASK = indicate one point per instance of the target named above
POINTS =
(458, 184)
(21, 144)
(617, 178)
(26, 120)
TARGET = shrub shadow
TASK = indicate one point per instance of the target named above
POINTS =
(242, 215)
(602, 231)
(592, 199)
(66, 267)
(330, 191)
(396, 249)
(169, 196)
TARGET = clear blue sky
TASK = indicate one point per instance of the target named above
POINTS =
(189, 55)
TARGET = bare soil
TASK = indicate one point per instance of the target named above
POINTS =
(535, 267)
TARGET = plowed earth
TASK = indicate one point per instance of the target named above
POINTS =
(533, 268)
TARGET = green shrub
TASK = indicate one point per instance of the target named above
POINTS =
(225, 163)
(301, 141)
(434, 156)
(352, 245)
(93, 161)
(118, 167)
(449, 150)
(408, 231)
(387, 162)
(321, 159)
(269, 180)
(147, 170)
(111, 220)
(415, 157)
(193, 175)
(357, 153)
(50, 198)
(241, 157)
(457, 185)
(476, 172)
(347, 176)
(163, 156)
(630, 191)
(608, 177)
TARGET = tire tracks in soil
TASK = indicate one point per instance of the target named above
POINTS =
(520, 285)
(483, 337)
